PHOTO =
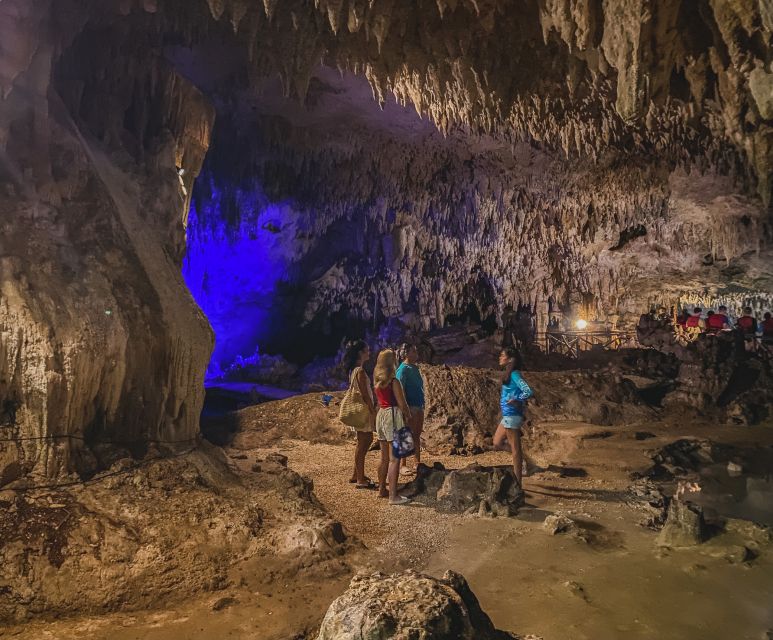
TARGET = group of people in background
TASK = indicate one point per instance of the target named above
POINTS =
(396, 399)
(713, 322)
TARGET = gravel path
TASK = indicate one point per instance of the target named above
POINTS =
(408, 533)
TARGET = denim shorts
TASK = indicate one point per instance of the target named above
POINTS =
(512, 422)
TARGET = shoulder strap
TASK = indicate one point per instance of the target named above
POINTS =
(354, 376)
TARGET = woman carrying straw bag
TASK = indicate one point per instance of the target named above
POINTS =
(358, 409)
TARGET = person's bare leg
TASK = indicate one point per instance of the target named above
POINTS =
(416, 428)
(500, 437)
(393, 472)
(354, 479)
(514, 438)
(383, 468)
(364, 438)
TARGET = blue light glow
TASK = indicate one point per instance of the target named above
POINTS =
(233, 274)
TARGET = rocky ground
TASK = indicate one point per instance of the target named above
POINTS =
(153, 532)
(261, 552)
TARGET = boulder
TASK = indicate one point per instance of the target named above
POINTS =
(684, 527)
(473, 489)
(408, 605)
(558, 523)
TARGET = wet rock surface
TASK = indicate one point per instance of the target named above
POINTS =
(408, 605)
(475, 489)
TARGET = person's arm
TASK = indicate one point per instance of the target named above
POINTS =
(397, 389)
(524, 390)
(367, 396)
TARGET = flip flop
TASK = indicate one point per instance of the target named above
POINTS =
(400, 500)
(367, 485)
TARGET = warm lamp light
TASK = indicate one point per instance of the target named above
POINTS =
(581, 324)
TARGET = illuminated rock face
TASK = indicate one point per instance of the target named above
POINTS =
(102, 348)
(592, 154)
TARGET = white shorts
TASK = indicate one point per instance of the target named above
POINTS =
(388, 422)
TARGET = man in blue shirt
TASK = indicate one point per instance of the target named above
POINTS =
(413, 384)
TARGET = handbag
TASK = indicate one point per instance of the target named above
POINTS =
(402, 442)
(353, 412)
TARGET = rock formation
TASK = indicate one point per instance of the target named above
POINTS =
(100, 343)
(684, 526)
(475, 489)
(140, 535)
(408, 605)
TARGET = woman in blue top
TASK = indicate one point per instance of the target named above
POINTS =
(513, 398)
(410, 377)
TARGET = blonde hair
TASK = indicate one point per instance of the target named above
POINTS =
(386, 368)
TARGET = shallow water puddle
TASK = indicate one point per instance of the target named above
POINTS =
(735, 494)
(564, 589)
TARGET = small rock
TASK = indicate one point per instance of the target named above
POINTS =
(733, 553)
(558, 523)
(752, 533)
(487, 490)
(223, 603)
(278, 458)
(734, 469)
(256, 468)
(577, 589)
(696, 568)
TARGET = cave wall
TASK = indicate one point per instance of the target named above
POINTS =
(102, 349)
(532, 140)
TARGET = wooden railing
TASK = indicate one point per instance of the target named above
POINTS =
(571, 343)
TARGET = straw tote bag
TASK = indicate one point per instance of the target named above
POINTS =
(354, 412)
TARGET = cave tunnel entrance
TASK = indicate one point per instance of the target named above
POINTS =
(238, 245)
(245, 266)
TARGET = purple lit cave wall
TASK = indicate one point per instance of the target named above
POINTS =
(235, 265)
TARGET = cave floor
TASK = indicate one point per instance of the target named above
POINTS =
(614, 582)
